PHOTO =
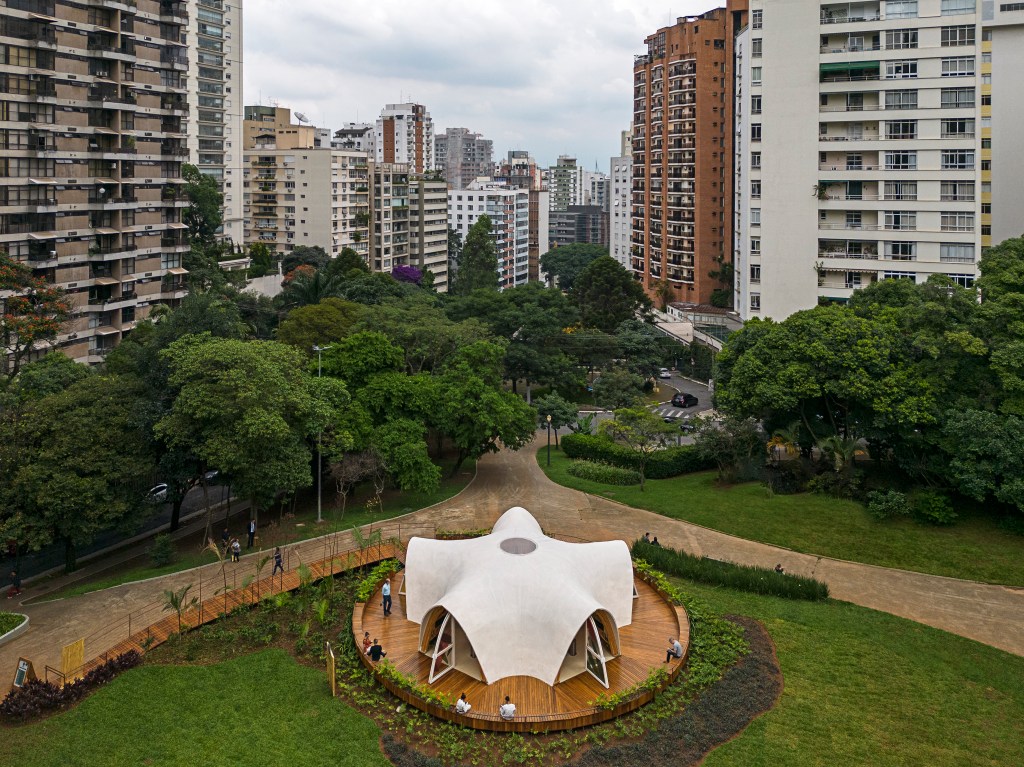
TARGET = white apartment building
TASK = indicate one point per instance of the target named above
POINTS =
(215, 101)
(565, 184)
(509, 211)
(619, 226)
(868, 135)
(357, 136)
(404, 135)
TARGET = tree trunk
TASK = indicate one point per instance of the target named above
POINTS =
(556, 437)
(176, 512)
(463, 455)
(70, 560)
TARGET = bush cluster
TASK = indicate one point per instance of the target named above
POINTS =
(757, 580)
(604, 473)
(162, 550)
(934, 507)
(671, 462)
(37, 697)
(887, 504)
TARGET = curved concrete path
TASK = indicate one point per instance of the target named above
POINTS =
(990, 614)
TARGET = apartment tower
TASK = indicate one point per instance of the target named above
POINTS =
(620, 231)
(509, 211)
(682, 157)
(463, 157)
(94, 118)
(404, 135)
(878, 140)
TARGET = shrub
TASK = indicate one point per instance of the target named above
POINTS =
(841, 484)
(604, 473)
(162, 550)
(664, 464)
(757, 580)
(934, 508)
(369, 584)
(886, 504)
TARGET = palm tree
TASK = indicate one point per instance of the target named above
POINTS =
(308, 289)
(179, 602)
(841, 451)
(785, 443)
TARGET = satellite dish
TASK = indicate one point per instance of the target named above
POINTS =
(301, 117)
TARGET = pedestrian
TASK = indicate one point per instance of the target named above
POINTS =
(252, 533)
(278, 562)
(778, 568)
(376, 652)
(647, 537)
(462, 705)
(675, 650)
(366, 641)
(15, 588)
(225, 540)
(655, 541)
(386, 594)
(507, 710)
(236, 549)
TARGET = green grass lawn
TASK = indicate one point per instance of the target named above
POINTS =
(867, 688)
(280, 532)
(974, 548)
(262, 709)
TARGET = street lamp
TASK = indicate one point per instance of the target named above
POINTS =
(549, 439)
(319, 459)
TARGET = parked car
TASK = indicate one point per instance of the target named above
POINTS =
(664, 373)
(685, 400)
(211, 476)
(157, 493)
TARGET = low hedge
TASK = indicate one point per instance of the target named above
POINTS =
(604, 473)
(670, 462)
(757, 580)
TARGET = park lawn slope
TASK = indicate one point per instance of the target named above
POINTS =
(974, 548)
(867, 688)
(260, 709)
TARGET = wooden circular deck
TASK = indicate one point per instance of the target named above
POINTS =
(539, 706)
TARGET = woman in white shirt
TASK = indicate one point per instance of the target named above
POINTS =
(462, 705)
(508, 709)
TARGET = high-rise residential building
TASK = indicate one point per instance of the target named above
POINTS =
(95, 112)
(509, 211)
(274, 122)
(877, 141)
(357, 136)
(215, 99)
(520, 171)
(463, 156)
(595, 189)
(682, 156)
(565, 184)
(620, 230)
(408, 226)
(404, 135)
(579, 224)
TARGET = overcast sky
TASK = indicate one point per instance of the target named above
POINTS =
(553, 77)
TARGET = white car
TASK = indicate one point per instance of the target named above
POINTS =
(664, 373)
(157, 493)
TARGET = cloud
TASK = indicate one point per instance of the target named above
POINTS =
(550, 77)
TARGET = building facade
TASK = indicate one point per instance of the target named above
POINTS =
(509, 211)
(94, 117)
(463, 156)
(404, 135)
(357, 136)
(912, 109)
(520, 171)
(620, 231)
(565, 184)
(215, 100)
(579, 224)
(682, 157)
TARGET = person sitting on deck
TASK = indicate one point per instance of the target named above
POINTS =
(507, 709)
(462, 705)
(376, 652)
(366, 641)
(675, 650)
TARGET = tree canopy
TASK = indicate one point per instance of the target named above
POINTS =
(564, 264)
(607, 295)
(477, 264)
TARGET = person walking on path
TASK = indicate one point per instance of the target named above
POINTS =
(386, 593)
(236, 549)
(278, 562)
(15, 588)
(675, 650)
(252, 533)
(507, 709)
(225, 540)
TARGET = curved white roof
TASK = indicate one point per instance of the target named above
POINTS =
(520, 596)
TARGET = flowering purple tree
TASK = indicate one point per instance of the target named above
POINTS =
(407, 274)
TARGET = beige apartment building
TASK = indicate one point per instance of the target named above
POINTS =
(93, 118)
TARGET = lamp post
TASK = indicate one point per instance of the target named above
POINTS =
(549, 439)
(319, 459)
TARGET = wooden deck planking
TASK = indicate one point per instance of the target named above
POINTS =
(643, 644)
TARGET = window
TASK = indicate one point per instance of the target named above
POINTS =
(755, 246)
(957, 128)
(755, 75)
(755, 273)
(900, 39)
(912, 276)
(755, 159)
(755, 190)
(901, 99)
(756, 18)
(755, 105)
(900, 220)
(854, 219)
(957, 159)
(957, 7)
(956, 252)
(755, 302)
(755, 130)
(755, 48)
(901, 251)
(755, 217)
(957, 222)
(960, 35)
(959, 66)
(901, 129)
(900, 190)
(957, 191)
(958, 98)
(900, 69)
(963, 280)
(900, 9)
(854, 161)
(901, 160)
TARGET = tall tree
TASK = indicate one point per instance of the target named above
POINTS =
(319, 324)
(305, 255)
(31, 312)
(203, 215)
(607, 295)
(477, 266)
(563, 264)
(262, 260)
(641, 431)
(618, 388)
(347, 264)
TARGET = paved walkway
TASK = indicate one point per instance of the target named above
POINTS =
(990, 614)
